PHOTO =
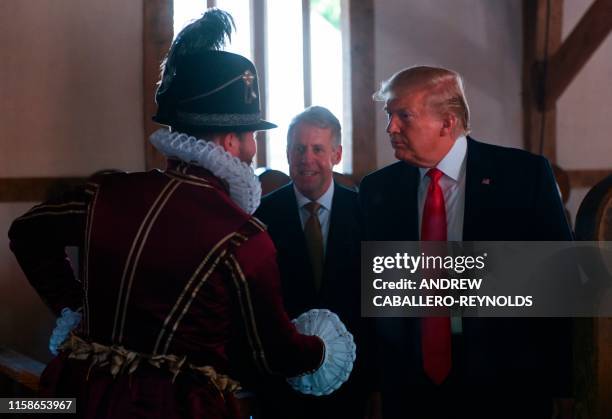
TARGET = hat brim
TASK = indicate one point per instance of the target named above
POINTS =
(262, 125)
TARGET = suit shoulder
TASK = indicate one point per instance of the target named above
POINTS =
(276, 195)
(385, 174)
(346, 201)
(501, 154)
(345, 192)
(271, 202)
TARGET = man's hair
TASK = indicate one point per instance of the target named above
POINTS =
(444, 90)
(319, 117)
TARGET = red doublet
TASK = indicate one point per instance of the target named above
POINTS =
(170, 266)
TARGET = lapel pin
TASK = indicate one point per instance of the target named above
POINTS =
(486, 181)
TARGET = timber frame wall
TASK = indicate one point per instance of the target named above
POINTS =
(549, 66)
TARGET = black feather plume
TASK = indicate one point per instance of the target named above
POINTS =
(206, 33)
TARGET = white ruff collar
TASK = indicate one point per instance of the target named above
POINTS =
(244, 186)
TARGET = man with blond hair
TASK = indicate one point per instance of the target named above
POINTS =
(448, 186)
(314, 224)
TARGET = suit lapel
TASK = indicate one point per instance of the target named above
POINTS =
(336, 231)
(293, 240)
(294, 231)
(339, 232)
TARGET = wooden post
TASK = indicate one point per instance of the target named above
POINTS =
(541, 38)
(258, 45)
(306, 55)
(359, 69)
(157, 36)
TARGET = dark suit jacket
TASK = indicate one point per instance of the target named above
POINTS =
(340, 289)
(279, 212)
(510, 195)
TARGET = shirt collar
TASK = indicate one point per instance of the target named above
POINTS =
(451, 164)
(325, 200)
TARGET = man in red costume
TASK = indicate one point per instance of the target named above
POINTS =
(178, 291)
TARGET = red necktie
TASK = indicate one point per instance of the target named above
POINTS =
(435, 331)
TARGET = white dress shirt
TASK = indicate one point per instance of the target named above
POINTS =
(324, 212)
(452, 183)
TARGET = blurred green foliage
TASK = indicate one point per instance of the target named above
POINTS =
(329, 9)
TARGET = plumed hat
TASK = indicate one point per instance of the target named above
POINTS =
(206, 89)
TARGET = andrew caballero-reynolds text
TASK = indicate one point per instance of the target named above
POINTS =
(432, 290)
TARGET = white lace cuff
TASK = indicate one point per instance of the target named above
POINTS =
(65, 324)
(339, 353)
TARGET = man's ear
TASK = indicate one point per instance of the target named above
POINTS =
(337, 154)
(288, 151)
(230, 143)
(449, 125)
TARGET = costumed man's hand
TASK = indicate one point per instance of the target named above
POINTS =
(64, 325)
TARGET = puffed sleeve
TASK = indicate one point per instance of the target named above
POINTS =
(39, 239)
(275, 344)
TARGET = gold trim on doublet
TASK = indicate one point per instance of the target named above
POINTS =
(192, 180)
(139, 240)
(85, 260)
(73, 207)
(248, 315)
(258, 223)
(176, 306)
(193, 295)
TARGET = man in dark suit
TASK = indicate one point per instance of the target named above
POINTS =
(447, 186)
(314, 224)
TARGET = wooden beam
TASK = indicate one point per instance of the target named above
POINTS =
(576, 50)
(587, 178)
(306, 56)
(542, 21)
(36, 189)
(158, 31)
(359, 66)
(20, 368)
